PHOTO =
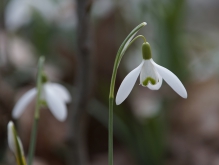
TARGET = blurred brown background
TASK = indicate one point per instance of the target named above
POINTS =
(80, 40)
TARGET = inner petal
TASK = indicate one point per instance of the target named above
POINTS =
(148, 74)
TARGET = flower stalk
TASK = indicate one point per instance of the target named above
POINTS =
(126, 43)
(37, 111)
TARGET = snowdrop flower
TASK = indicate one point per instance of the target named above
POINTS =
(151, 76)
(55, 96)
(15, 144)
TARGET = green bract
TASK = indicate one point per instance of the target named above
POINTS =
(122, 49)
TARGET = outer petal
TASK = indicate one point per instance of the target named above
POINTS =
(62, 92)
(55, 104)
(23, 102)
(127, 84)
(158, 85)
(171, 80)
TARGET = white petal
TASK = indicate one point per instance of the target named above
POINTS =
(171, 80)
(157, 85)
(11, 139)
(55, 104)
(23, 102)
(127, 84)
(62, 92)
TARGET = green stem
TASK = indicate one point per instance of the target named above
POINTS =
(110, 153)
(126, 43)
(133, 40)
(139, 36)
(37, 112)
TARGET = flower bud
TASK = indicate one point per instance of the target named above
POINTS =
(15, 144)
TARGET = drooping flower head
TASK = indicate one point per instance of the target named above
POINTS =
(54, 95)
(151, 76)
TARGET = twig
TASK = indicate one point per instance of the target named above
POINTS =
(7, 94)
(2, 14)
(77, 153)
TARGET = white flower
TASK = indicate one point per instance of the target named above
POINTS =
(55, 95)
(151, 76)
(13, 139)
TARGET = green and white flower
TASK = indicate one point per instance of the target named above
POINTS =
(151, 76)
(55, 96)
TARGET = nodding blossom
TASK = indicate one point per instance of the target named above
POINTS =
(151, 76)
(54, 95)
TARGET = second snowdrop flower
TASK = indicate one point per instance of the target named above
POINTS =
(151, 76)
(55, 96)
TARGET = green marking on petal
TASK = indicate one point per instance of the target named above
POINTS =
(146, 51)
(43, 103)
(149, 79)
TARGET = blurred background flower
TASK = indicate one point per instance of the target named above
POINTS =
(80, 45)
